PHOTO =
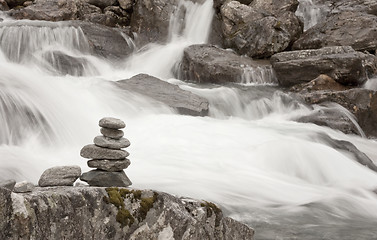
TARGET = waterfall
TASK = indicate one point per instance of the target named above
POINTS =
(311, 12)
(248, 156)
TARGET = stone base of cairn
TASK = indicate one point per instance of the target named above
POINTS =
(107, 156)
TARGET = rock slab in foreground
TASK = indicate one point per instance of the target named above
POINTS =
(59, 176)
(172, 95)
(101, 216)
(341, 63)
(100, 178)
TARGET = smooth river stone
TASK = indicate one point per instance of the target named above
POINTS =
(112, 133)
(101, 178)
(109, 165)
(24, 187)
(8, 184)
(59, 176)
(92, 151)
(106, 142)
(113, 123)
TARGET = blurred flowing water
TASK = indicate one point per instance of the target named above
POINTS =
(248, 156)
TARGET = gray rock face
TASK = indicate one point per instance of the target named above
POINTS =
(101, 178)
(184, 101)
(8, 184)
(354, 29)
(343, 64)
(106, 142)
(113, 123)
(112, 133)
(360, 102)
(39, 216)
(102, 3)
(23, 187)
(210, 64)
(109, 165)
(150, 19)
(59, 176)
(92, 151)
(256, 32)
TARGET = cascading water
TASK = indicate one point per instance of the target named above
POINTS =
(311, 12)
(275, 174)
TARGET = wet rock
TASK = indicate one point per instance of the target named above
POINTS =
(275, 7)
(113, 123)
(8, 184)
(112, 133)
(362, 103)
(50, 213)
(95, 152)
(106, 142)
(151, 18)
(109, 165)
(343, 64)
(23, 187)
(102, 3)
(365, 6)
(354, 29)
(59, 176)
(322, 82)
(3, 6)
(256, 32)
(210, 64)
(15, 3)
(184, 101)
(101, 178)
(126, 4)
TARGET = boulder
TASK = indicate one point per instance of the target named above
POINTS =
(321, 83)
(256, 32)
(365, 6)
(109, 165)
(8, 184)
(343, 64)
(59, 176)
(101, 178)
(92, 151)
(105, 142)
(356, 29)
(210, 64)
(275, 7)
(151, 18)
(112, 133)
(23, 187)
(112, 213)
(362, 103)
(183, 101)
(126, 4)
(102, 3)
(110, 122)
(3, 6)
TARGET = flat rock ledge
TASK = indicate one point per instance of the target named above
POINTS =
(112, 213)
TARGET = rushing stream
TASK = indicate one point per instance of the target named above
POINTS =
(248, 156)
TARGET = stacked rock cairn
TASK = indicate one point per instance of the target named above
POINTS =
(107, 156)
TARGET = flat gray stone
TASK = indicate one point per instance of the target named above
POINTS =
(101, 178)
(106, 142)
(109, 165)
(113, 123)
(8, 184)
(92, 151)
(23, 187)
(112, 133)
(59, 176)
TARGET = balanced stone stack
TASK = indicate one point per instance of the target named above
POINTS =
(107, 156)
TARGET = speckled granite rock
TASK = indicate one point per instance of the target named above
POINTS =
(112, 213)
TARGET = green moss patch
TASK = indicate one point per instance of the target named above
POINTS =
(117, 196)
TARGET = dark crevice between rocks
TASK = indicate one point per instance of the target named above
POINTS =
(213, 209)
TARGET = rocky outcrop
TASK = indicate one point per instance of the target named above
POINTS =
(183, 101)
(210, 64)
(261, 29)
(343, 64)
(362, 103)
(354, 29)
(112, 213)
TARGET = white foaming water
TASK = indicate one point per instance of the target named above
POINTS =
(259, 75)
(310, 12)
(248, 156)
